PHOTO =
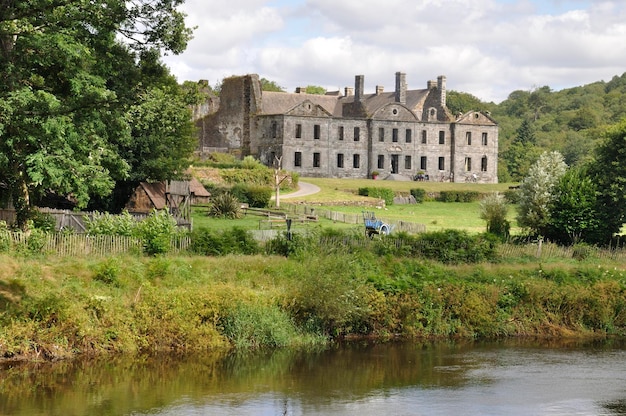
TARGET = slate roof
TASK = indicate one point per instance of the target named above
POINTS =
(281, 102)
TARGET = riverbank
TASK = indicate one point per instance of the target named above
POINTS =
(60, 307)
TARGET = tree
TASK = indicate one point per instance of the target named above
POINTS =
(522, 151)
(573, 214)
(267, 85)
(608, 172)
(536, 192)
(67, 83)
(315, 89)
(494, 210)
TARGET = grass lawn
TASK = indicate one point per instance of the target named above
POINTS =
(339, 194)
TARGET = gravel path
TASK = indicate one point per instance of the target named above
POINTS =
(304, 189)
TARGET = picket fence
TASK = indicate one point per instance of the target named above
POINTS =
(80, 244)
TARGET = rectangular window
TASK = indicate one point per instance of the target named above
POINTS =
(340, 132)
(394, 135)
(442, 137)
(381, 134)
(409, 135)
(340, 160)
(407, 162)
(483, 164)
(468, 137)
(442, 163)
(381, 162)
(423, 164)
(356, 161)
(298, 131)
(274, 129)
(297, 159)
(316, 160)
(357, 134)
(484, 139)
(468, 164)
(424, 137)
(316, 132)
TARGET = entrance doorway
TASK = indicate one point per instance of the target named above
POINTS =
(394, 163)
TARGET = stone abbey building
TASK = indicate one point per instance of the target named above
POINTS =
(351, 135)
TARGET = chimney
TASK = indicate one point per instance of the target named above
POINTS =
(401, 87)
(359, 82)
(300, 90)
(349, 92)
(379, 89)
(441, 86)
(431, 85)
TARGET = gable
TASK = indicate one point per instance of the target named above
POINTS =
(475, 117)
(394, 112)
(307, 108)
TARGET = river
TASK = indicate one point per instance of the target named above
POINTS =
(513, 377)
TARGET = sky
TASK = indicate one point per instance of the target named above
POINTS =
(487, 48)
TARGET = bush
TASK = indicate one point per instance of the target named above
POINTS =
(253, 325)
(217, 243)
(512, 196)
(225, 205)
(254, 195)
(456, 246)
(493, 209)
(458, 196)
(419, 195)
(381, 193)
(157, 232)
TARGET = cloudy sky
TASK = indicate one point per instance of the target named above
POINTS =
(487, 48)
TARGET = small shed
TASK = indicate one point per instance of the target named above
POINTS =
(199, 194)
(147, 196)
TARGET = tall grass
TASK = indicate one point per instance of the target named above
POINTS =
(54, 307)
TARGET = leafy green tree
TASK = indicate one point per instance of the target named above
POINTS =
(461, 102)
(573, 215)
(163, 139)
(67, 83)
(522, 152)
(267, 85)
(315, 89)
(537, 192)
(608, 171)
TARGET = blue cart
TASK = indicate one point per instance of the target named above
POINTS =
(374, 225)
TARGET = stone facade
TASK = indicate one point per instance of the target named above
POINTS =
(350, 135)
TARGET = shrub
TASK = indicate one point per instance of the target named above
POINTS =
(225, 205)
(381, 193)
(456, 246)
(157, 232)
(493, 209)
(458, 196)
(255, 325)
(216, 243)
(512, 196)
(419, 195)
(254, 195)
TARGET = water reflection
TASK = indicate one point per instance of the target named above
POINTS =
(509, 377)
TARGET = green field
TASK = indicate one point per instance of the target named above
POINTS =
(341, 195)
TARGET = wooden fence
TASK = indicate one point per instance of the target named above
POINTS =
(81, 244)
(347, 218)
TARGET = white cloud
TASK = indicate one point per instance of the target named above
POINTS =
(488, 48)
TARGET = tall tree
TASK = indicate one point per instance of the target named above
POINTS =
(537, 192)
(573, 215)
(609, 174)
(66, 83)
